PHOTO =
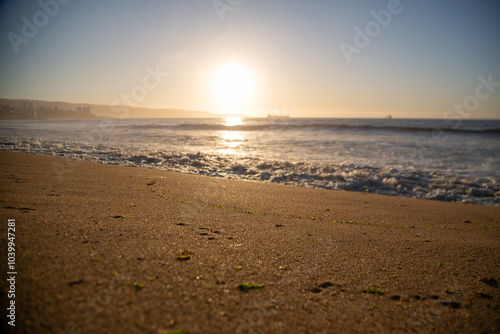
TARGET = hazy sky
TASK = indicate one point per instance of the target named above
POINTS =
(307, 58)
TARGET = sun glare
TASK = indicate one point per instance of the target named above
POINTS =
(233, 85)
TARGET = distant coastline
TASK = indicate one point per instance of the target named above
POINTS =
(39, 109)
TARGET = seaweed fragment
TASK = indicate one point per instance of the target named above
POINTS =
(374, 291)
(75, 282)
(186, 255)
(249, 286)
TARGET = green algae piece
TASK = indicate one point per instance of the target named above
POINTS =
(249, 286)
(375, 291)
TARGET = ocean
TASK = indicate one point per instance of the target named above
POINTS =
(448, 160)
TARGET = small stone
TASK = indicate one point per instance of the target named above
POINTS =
(186, 255)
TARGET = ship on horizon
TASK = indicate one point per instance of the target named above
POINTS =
(277, 116)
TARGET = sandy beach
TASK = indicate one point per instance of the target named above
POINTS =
(113, 249)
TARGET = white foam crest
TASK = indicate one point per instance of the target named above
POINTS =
(389, 181)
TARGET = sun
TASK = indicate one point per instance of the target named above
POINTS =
(233, 85)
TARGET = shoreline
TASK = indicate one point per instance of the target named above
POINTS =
(99, 245)
(385, 181)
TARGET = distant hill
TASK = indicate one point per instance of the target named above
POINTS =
(107, 110)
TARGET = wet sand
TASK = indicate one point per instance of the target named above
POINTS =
(98, 250)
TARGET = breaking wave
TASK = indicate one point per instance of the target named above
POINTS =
(313, 126)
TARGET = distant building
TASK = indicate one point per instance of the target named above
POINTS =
(27, 106)
(26, 111)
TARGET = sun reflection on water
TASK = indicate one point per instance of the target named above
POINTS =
(233, 121)
(232, 140)
(233, 137)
